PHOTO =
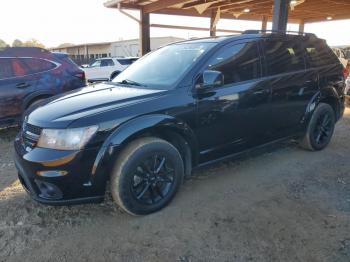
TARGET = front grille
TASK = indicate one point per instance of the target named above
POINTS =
(30, 135)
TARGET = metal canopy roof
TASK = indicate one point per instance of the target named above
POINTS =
(305, 11)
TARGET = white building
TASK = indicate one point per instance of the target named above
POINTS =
(86, 53)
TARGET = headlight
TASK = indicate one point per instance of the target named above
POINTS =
(66, 139)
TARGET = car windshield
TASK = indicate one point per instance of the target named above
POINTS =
(163, 67)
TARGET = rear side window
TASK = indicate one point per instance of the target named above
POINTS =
(319, 54)
(126, 61)
(107, 62)
(35, 65)
(12, 67)
(240, 62)
(6, 70)
(283, 57)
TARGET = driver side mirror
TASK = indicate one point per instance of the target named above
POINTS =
(210, 79)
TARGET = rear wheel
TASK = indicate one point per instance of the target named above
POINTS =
(146, 176)
(114, 75)
(320, 129)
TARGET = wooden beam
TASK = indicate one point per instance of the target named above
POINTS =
(212, 28)
(302, 26)
(195, 28)
(158, 5)
(145, 33)
(264, 23)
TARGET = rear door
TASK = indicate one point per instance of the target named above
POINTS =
(16, 83)
(292, 85)
(322, 59)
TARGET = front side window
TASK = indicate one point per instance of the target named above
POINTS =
(239, 62)
(283, 57)
(165, 66)
(96, 63)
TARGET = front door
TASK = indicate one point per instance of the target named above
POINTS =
(230, 118)
(15, 84)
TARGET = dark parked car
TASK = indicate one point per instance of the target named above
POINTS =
(180, 107)
(29, 75)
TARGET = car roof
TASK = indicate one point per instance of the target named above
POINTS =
(250, 35)
(24, 51)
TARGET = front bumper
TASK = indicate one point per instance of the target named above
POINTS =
(60, 177)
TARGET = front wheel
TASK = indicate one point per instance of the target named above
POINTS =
(146, 176)
(320, 129)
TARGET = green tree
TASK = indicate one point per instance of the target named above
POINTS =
(33, 43)
(3, 44)
(17, 43)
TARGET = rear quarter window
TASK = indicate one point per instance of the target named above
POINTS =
(36, 65)
(319, 54)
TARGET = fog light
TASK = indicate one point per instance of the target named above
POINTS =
(52, 173)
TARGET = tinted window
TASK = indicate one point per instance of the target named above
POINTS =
(107, 62)
(126, 61)
(283, 57)
(163, 67)
(6, 68)
(12, 67)
(319, 54)
(35, 65)
(237, 63)
(97, 63)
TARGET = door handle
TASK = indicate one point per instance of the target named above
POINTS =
(23, 85)
(261, 92)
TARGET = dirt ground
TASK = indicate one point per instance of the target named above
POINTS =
(285, 204)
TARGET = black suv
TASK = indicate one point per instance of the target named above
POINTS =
(180, 107)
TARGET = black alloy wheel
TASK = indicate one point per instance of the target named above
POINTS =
(146, 176)
(320, 128)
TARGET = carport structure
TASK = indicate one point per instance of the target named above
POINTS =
(280, 12)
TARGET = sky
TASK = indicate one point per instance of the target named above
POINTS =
(54, 22)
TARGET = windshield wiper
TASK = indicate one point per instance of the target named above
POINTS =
(130, 82)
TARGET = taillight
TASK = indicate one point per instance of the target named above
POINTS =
(80, 75)
(345, 72)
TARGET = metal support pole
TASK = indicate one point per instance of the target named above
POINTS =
(280, 15)
(145, 33)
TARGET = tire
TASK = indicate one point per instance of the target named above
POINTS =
(35, 102)
(320, 128)
(114, 74)
(146, 176)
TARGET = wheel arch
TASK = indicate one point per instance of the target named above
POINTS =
(114, 73)
(330, 96)
(166, 127)
(33, 97)
(327, 95)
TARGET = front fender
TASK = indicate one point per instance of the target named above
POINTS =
(134, 127)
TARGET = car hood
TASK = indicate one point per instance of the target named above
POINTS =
(61, 111)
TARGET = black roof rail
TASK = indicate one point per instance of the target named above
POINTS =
(256, 31)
